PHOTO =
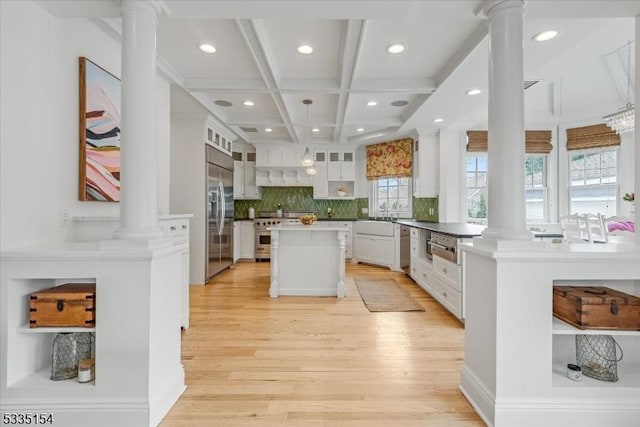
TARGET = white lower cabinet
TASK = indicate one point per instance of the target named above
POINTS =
(248, 242)
(374, 249)
(237, 240)
(441, 278)
(382, 243)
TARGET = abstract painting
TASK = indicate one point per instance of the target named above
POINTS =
(99, 132)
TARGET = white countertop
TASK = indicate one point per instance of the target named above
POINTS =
(302, 227)
(560, 251)
(86, 251)
(106, 218)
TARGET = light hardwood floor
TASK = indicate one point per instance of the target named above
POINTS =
(317, 361)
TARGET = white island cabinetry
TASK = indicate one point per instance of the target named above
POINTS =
(509, 302)
(307, 260)
(138, 369)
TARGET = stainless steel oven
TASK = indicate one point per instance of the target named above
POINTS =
(263, 238)
(263, 235)
(444, 246)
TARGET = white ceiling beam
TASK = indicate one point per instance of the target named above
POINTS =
(310, 85)
(255, 36)
(393, 86)
(352, 36)
(225, 85)
(470, 43)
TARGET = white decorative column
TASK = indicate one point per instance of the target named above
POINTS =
(506, 204)
(636, 133)
(139, 151)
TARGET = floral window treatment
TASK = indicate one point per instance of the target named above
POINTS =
(392, 159)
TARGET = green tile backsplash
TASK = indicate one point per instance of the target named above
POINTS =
(422, 208)
(296, 199)
(301, 199)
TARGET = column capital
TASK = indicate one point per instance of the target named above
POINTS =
(159, 7)
(490, 7)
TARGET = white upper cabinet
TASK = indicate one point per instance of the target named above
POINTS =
(244, 176)
(341, 166)
(426, 158)
(215, 139)
(320, 179)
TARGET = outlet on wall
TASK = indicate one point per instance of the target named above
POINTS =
(65, 218)
(431, 211)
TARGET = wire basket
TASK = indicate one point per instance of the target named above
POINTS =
(596, 355)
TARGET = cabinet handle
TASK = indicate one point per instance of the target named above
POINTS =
(444, 270)
(444, 294)
(172, 228)
(424, 275)
(184, 227)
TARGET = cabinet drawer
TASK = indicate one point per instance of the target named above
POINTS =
(175, 227)
(450, 298)
(415, 233)
(448, 271)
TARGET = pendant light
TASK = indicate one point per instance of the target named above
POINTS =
(623, 120)
(307, 157)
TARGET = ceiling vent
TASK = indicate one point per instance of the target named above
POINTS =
(529, 83)
(248, 130)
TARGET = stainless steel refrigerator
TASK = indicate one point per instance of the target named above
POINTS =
(219, 211)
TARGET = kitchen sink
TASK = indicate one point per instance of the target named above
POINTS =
(378, 228)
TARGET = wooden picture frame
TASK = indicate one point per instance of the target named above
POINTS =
(99, 133)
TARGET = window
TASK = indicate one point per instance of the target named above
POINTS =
(477, 188)
(391, 196)
(535, 170)
(535, 181)
(593, 183)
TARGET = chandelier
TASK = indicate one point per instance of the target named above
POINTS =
(624, 120)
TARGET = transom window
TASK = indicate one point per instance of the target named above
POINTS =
(593, 181)
(391, 196)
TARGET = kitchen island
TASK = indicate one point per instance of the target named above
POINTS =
(307, 260)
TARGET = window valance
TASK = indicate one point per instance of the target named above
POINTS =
(595, 136)
(536, 141)
(393, 159)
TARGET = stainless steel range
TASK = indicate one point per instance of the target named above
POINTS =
(263, 235)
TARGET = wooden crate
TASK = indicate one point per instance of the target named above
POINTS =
(70, 305)
(596, 307)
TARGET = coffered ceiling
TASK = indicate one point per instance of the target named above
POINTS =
(256, 60)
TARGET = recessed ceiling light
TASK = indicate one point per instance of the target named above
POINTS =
(396, 48)
(315, 130)
(248, 103)
(223, 103)
(545, 36)
(268, 129)
(399, 103)
(207, 48)
(372, 103)
(473, 92)
(305, 49)
(360, 130)
(438, 120)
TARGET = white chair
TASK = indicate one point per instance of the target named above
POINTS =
(617, 229)
(574, 228)
(595, 228)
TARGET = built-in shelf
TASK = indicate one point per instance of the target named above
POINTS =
(46, 330)
(628, 377)
(561, 327)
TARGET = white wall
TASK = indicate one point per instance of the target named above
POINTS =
(453, 194)
(39, 122)
(188, 187)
